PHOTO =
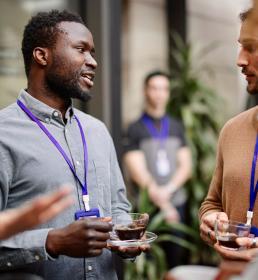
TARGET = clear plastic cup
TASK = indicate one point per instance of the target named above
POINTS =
(227, 232)
(131, 226)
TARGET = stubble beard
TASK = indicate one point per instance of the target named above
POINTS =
(253, 90)
(66, 84)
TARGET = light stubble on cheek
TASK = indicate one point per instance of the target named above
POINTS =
(252, 87)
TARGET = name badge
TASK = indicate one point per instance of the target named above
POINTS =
(162, 163)
(92, 213)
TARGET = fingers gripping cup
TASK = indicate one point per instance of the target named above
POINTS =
(131, 226)
(227, 232)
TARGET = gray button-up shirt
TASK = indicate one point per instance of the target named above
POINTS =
(30, 165)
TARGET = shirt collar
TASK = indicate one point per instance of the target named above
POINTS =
(153, 118)
(42, 111)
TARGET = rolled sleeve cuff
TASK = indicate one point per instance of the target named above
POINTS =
(24, 248)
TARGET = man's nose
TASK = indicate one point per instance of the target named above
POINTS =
(242, 59)
(91, 61)
(94, 62)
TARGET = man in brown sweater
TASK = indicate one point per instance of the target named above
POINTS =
(229, 192)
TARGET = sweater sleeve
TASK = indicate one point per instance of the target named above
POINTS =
(213, 200)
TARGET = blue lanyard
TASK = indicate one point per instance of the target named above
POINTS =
(253, 190)
(160, 134)
(60, 149)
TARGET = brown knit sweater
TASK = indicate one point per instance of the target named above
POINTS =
(230, 186)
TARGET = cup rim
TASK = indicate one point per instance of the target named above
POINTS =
(235, 223)
(132, 214)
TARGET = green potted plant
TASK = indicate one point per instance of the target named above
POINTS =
(152, 266)
(198, 108)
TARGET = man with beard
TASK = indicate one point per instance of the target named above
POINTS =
(233, 190)
(45, 142)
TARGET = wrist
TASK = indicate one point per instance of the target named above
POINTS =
(150, 184)
(52, 244)
(166, 206)
(171, 188)
(152, 187)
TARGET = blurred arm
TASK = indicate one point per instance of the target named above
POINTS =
(136, 165)
(184, 170)
(39, 211)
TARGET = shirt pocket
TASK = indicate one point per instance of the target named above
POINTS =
(103, 187)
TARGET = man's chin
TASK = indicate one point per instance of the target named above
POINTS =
(252, 90)
(83, 96)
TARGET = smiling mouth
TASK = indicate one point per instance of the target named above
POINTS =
(88, 78)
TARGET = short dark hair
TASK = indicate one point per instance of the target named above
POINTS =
(244, 15)
(154, 74)
(42, 31)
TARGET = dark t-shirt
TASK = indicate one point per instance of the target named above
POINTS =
(139, 138)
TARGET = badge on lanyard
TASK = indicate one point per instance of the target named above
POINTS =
(161, 135)
(162, 163)
(94, 212)
(253, 186)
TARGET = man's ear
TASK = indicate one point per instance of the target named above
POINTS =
(41, 55)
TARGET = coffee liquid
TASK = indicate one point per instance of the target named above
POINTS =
(228, 241)
(130, 232)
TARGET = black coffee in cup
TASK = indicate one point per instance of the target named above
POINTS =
(130, 232)
(229, 241)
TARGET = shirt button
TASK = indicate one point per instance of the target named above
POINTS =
(78, 163)
(55, 114)
(89, 267)
(47, 120)
(9, 264)
(37, 258)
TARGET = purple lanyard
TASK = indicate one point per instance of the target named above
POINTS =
(60, 149)
(253, 190)
(160, 134)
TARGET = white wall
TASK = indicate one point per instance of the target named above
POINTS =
(14, 15)
(144, 48)
(218, 21)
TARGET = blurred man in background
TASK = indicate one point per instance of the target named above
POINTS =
(157, 156)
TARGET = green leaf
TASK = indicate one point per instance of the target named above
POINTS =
(177, 240)
(197, 105)
(184, 229)
(160, 258)
(156, 222)
(145, 206)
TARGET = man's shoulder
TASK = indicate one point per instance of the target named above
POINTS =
(241, 124)
(137, 128)
(244, 118)
(175, 122)
(90, 121)
(8, 112)
(135, 124)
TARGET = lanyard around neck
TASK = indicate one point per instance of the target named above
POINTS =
(63, 153)
(253, 186)
(160, 134)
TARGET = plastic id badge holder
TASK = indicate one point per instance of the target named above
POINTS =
(92, 213)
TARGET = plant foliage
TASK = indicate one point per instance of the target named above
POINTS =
(152, 266)
(198, 108)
